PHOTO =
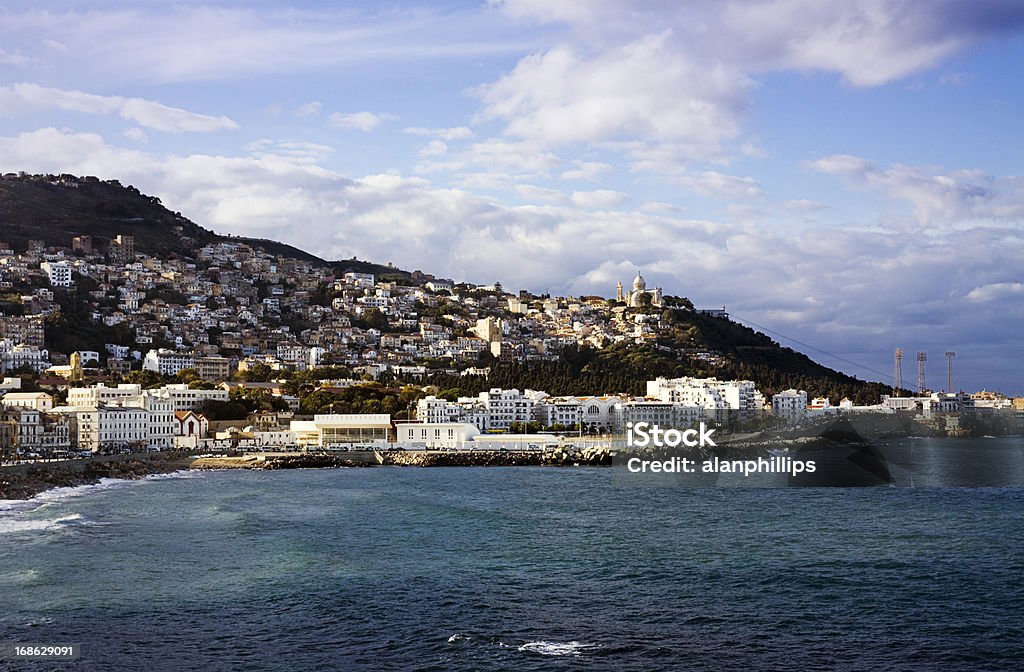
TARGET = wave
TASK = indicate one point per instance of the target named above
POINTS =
(16, 516)
(545, 648)
(13, 525)
(174, 475)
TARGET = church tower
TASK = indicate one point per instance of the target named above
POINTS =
(618, 293)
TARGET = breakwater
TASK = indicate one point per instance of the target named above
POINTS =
(26, 480)
(286, 461)
(411, 458)
(560, 457)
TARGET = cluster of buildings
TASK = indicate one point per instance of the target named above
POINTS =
(101, 418)
(126, 417)
(677, 402)
(236, 306)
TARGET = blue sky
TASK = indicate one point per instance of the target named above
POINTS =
(846, 172)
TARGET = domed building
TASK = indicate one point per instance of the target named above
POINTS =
(633, 298)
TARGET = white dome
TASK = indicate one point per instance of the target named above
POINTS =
(639, 285)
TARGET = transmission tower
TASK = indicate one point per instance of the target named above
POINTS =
(897, 373)
(922, 357)
(949, 371)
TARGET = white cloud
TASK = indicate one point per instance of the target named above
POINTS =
(718, 185)
(25, 97)
(668, 84)
(310, 109)
(498, 156)
(867, 42)
(434, 148)
(586, 170)
(598, 199)
(803, 205)
(645, 89)
(446, 134)
(938, 197)
(996, 292)
(181, 42)
(136, 134)
(303, 152)
(359, 121)
(13, 58)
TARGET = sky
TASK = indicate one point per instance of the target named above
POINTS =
(845, 173)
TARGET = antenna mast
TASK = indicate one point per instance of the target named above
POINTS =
(897, 373)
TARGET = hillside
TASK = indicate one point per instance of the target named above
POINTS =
(56, 208)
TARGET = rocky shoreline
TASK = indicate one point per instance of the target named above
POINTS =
(559, 457)
(28, 480)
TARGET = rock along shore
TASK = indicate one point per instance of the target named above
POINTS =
(24, 481)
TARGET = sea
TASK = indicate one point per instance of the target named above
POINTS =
(520, 568)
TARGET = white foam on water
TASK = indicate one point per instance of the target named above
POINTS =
(558, 648)
(14, 524)
(18, 515)
(22, 577)
(174, 475)
(457, 637)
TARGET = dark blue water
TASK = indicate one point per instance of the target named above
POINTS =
(512, 568)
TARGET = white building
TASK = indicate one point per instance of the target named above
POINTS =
(14, 357)
(122, 417)
(598, 413)
(640, 293)
(505, 407)
(791, 404)
(101, 394)
(661, 413)
(189, 423)
(28, 424)
(39, 401)
(167, 362)
(105, 426)
(333, 430)
(363, 280)
(59, 273)
(436, 434)
(710, 394)
(161, 423)
(185, 398)
(564, 411)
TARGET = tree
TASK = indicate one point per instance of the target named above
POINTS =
(188, 376)
(257, 373)
(147, 379)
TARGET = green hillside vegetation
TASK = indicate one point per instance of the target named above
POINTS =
(625, 367)
(56, 208)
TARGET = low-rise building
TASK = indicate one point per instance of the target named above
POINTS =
(213, 369)
(338, 430)
(436, 434)
(790, 405)
(168, 362)
(39, 401)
